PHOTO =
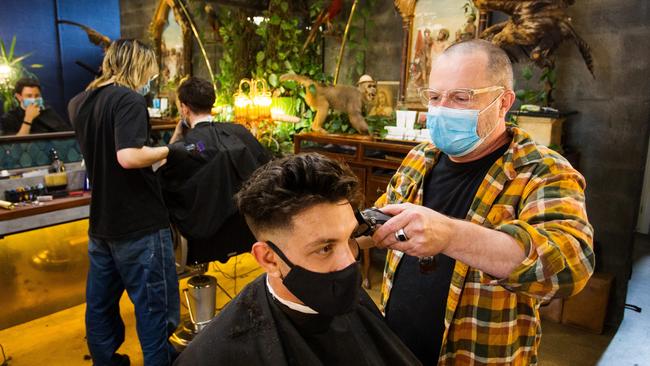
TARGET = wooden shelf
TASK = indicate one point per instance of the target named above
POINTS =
(54, 205)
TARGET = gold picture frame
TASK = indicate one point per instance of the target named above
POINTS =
(172, 39)
(429, 27)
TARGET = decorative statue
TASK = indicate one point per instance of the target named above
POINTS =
(343, 98)
(537, 26)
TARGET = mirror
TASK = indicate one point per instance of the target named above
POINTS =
(61, 48)
(429, 28)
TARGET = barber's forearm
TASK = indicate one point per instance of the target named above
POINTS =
(493, 252)
(135, 158)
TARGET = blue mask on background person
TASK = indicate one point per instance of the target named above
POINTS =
(145, 89)
(29, 101)
(454, 131)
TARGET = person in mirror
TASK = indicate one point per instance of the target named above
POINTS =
(487, 223)
(31, 115)
(221, 155)
(130, 246)
(309, 308)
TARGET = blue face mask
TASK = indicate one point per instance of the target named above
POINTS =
(29, 101)
(454, 131)
(145, 89)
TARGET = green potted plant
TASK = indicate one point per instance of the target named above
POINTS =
(11, 70)
(535, 114)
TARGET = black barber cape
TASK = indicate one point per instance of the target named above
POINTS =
(198, 189)
(255, 329)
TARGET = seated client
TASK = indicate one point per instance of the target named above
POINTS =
(199, 185)
(309, 307)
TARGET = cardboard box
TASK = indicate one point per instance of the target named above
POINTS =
(588, 308)
(544, 130)
(552, 310)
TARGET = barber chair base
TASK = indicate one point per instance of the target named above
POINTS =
(184, 334)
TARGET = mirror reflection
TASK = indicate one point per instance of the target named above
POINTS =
(30, 113)
(45, 63)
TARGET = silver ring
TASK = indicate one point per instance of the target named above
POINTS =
(400, 235)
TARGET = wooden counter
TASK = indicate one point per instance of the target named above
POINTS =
(57, 211)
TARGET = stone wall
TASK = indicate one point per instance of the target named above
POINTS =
(383, 58)
(136, 17)
(611, 129)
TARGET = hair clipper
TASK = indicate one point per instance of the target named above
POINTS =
(368, 220)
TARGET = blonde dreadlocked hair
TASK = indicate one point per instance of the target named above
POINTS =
(127, 62)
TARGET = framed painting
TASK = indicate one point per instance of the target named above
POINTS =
(430, 28)
(172, 39)
(386, 99)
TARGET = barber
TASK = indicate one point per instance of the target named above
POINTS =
(130, 246)
(487, 224)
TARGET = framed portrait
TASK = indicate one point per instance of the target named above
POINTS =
(172, 39)
(432, 27)
(421, 121)
(386, 99)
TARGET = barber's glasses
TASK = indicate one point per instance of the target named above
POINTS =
(455, 97)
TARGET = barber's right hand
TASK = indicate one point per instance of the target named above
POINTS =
(176, 151)
(31, 112)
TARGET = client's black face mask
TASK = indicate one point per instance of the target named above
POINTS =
(331, 293)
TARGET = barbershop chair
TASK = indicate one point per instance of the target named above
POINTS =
(192, 260)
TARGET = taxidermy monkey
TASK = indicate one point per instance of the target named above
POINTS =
(343, 98)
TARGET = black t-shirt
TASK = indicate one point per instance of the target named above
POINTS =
(47, 121)
(125, 203)
(416, 309)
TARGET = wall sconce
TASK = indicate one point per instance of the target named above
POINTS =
(242, 102)
(255, 105)
(5, 73)
(261, 100)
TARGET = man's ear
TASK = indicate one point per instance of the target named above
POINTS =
(266, 258)
(507, 100)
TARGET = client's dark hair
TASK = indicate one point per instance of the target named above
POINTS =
(197, 94)
(282, 188)
(26, 82)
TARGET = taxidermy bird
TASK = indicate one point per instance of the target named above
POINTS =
(537, 26)
(94, 36)
(325, 16)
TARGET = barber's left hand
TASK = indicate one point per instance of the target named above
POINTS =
(428, 231)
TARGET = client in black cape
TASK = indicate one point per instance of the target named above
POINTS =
(309, 308)
(198, 186)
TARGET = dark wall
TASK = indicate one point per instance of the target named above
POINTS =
(136, 16)
(57, 47)
(611, 130)
(383, 57)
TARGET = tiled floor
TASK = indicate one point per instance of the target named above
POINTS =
(58, 339)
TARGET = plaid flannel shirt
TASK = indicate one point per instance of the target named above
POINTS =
(533, 194)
